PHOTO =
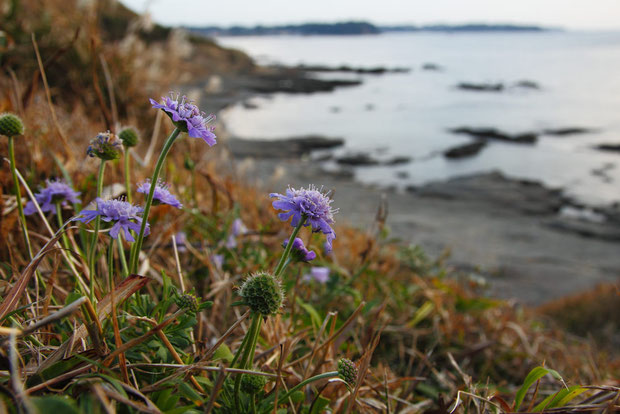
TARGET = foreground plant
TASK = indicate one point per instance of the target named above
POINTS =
(186, 117)
(11, 126)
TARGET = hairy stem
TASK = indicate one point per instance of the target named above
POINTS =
(127, 175)
(93, 244)
(18, 195)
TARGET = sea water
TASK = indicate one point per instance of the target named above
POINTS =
(410, 114)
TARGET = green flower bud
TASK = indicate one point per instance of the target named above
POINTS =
(347, 371)
(106, 146)
(129, 136)
(262, 293)
(253, 384)
(189, 164)
(11, 125)
(188, 302)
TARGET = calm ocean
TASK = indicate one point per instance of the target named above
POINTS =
(409, 114)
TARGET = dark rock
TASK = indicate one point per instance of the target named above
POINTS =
(492, 133)
(271, 83)
(397, 161)
(345, 68)
(586, 228)
(465, 150)
(567, 131)
(431, 66)
(357, 159)
(609, 147)
(481, 87)
(529, 197)
(286, 148)
(527, 84)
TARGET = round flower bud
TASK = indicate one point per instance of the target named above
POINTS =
(106, 146)
(347, 371)
(11, 125)
(253, 384)
(262, 293)
(188, 302)
(129, 136)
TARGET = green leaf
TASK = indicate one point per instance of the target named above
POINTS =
(319, 405)
(55, 403)
(534, 375)
(223, 352)
(560, 398)
(314, 315)
(297, 397)
(421, 314)
(189, 393)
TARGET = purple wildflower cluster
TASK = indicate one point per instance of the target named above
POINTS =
(55, 191)
(118, 211)
(161, 194)
(299, 251)
(310, 205)
(187, 117)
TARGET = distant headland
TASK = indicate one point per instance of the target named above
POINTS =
(357, 28)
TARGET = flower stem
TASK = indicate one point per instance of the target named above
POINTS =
(287, 249)
(247, 358)
(135, 254)
(93, 244)
(127, 175)
(302, 384)
(18, 195)
(121, 254)
(65, 240)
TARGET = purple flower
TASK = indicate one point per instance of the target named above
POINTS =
(310, 205)
(299, 251)
(218, 260)
(121, 213)
(237, 229)
(320, 274)
(188, 118)
(181, 240)
(54, 192)
(161, 194)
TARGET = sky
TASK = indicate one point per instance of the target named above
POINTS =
(569, 14)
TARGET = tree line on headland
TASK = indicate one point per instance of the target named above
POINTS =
(355, 28)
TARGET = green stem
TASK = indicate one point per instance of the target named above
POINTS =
(121, 254)
(248, 354)
(302, 384)
(127, 175)
(93, 244)
(64, 238)
(149, 199)
(18, 195)
(287, 249)
(111, 264)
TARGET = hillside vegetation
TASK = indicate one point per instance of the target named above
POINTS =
(91, 322)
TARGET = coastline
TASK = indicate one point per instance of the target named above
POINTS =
(505, 234)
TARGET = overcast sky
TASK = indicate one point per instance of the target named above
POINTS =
(571, 14)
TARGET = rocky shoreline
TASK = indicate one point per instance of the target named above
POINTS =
(517, 238)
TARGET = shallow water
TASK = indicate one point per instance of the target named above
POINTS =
(408, 114)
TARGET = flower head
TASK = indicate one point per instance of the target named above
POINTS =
(11, 125)
(310, 205)
(253, 384)
(188, 302)
(347, 371)
(124, 215)
(54, 192)
(299, 251)
(320, 274)
(129, 136)
(161, 194)
(187, 117)
(106, 146)
(263, 294)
